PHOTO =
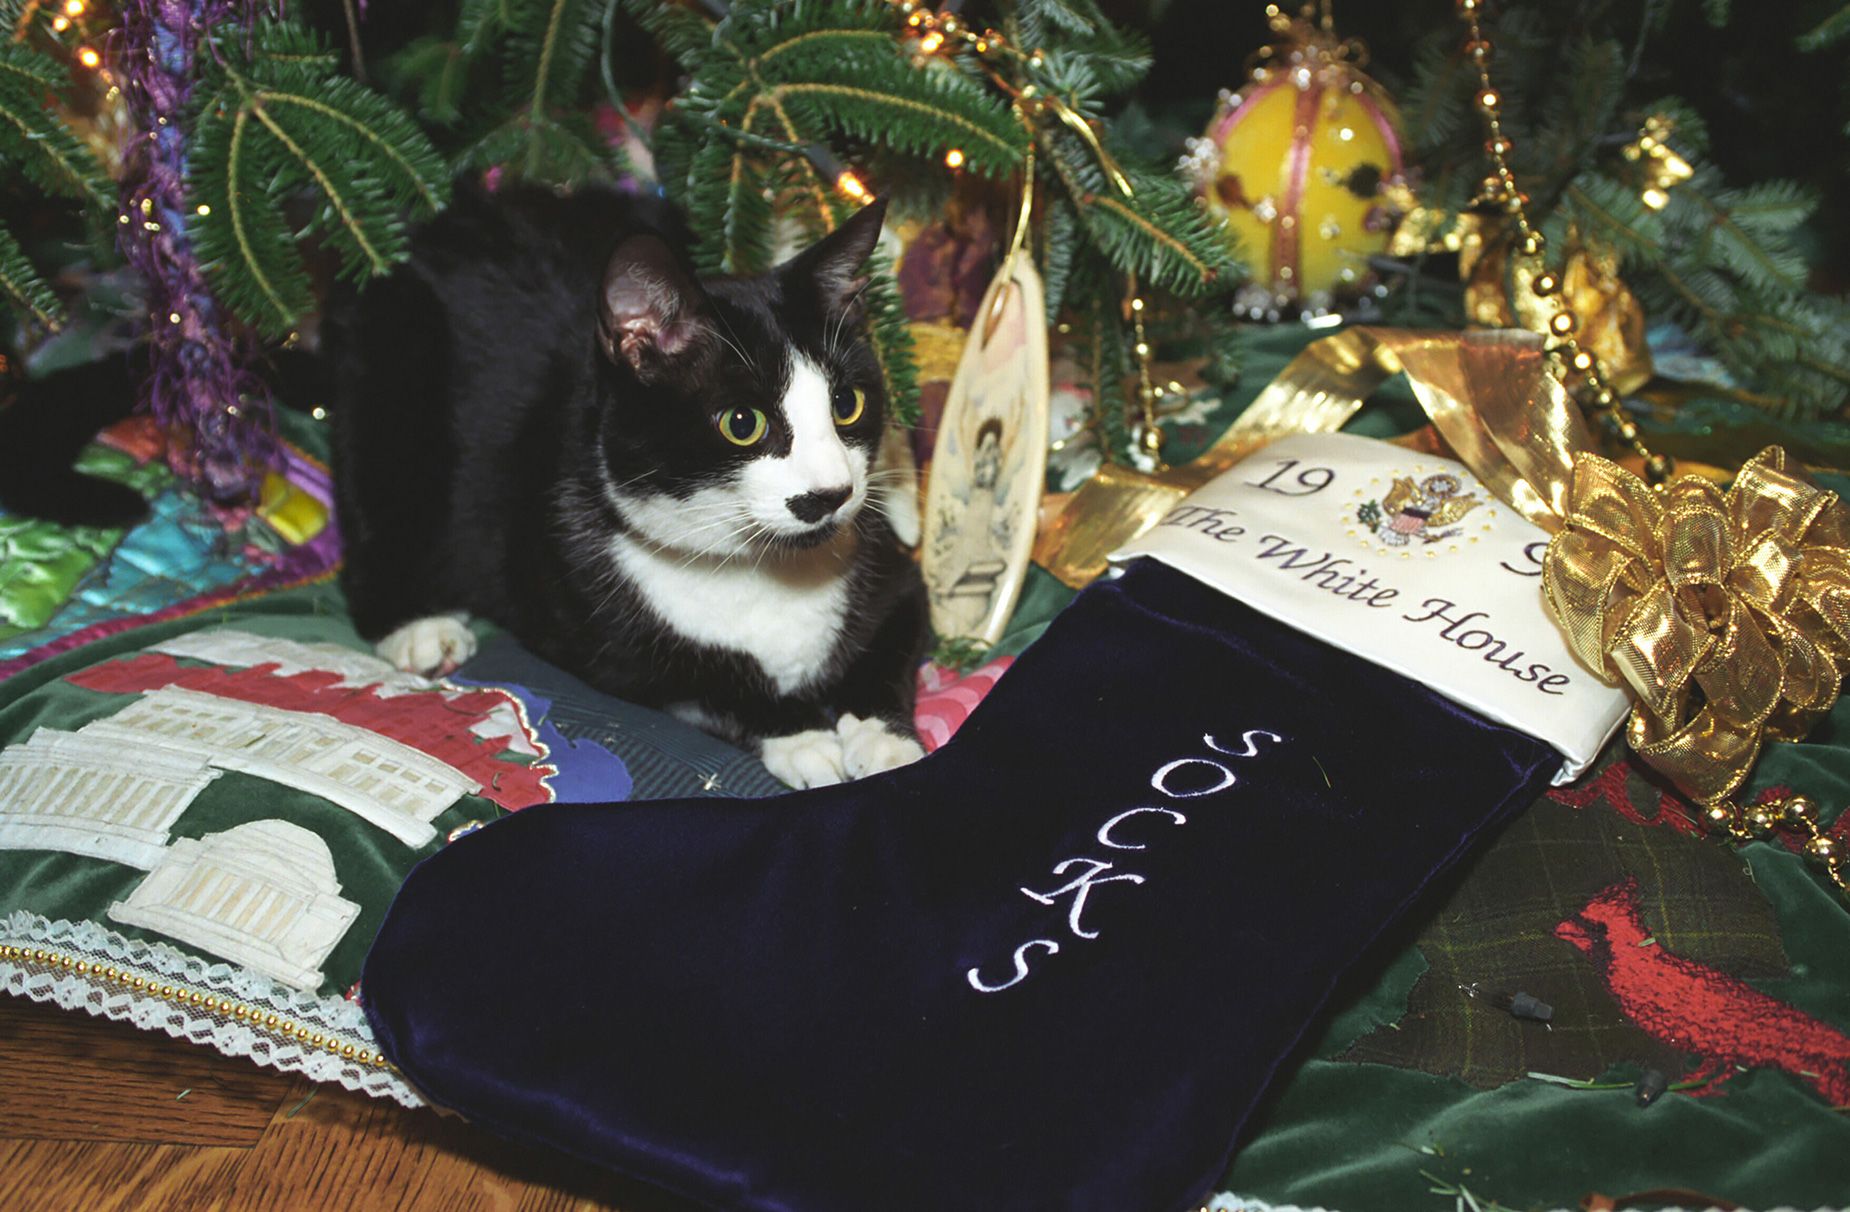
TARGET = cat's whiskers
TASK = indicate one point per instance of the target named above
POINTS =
(764, 549)
(833, 344)
(713, 548)
(706, 326)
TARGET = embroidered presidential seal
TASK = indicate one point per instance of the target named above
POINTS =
(1424, 513)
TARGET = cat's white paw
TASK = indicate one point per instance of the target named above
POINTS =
(429, 646)
(805, 759)
(869, 747)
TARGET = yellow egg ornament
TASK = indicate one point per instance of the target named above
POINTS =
(1304, 164)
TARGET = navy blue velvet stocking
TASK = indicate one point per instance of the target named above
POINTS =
(1053, 966)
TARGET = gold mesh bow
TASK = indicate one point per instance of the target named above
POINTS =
(1727, 614)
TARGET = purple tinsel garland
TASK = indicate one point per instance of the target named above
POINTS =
(216, 413)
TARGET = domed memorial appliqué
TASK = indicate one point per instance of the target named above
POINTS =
(263, 895)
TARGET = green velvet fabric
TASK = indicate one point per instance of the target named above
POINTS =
(370, 862)
(1372, 1137)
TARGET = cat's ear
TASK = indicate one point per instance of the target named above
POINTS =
(651, 312)
(832, 265)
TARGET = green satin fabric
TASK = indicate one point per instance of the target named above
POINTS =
(42, 562)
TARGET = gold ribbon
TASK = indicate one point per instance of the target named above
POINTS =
(1491, 396)
(1728, 615)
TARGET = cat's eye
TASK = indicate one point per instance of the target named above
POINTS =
(848, 403)
(744, 426)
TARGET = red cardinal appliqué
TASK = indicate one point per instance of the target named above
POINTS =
(1691, 1006)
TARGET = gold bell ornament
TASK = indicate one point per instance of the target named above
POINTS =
(1304, 163)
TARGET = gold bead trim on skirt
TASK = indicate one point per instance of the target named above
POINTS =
(279, 1026)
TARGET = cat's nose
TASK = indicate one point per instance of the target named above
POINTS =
(815, 506)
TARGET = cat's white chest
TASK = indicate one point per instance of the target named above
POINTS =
(788, 618)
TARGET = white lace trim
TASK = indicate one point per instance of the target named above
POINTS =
(202, 1005)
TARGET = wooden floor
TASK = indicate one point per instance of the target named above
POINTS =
(99, 1115)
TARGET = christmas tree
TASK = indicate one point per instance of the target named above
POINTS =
(1617, 167)
(269, 149)
(38, 143)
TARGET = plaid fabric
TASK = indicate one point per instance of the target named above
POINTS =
(1495, 932)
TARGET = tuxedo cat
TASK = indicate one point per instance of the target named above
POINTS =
(664, 484)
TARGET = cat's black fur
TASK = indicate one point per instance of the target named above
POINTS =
(482, 397)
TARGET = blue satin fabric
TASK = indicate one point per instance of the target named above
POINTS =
(766, 1004)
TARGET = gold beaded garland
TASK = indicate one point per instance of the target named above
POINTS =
(1740, 823)
(224, 1007)
(1546, 285)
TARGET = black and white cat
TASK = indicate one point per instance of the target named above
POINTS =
(661, 483)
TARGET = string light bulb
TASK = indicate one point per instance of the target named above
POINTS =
(954, 158)
(88, 57)
(60, 23)
(847, 182)
(929, 44)
(74, 8)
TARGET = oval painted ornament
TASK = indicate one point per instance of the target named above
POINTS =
(990, 463)
(1304, 165)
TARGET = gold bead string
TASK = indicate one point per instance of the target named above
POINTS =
(1150, 435)
(1795, 814)
(1499, 189)
(269, 1021)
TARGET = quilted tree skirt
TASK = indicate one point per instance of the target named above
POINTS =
(210, 790)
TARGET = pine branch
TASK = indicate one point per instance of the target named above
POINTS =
(892, 338)
(772, 78)
(480, 22)
(528, 117)
(1435, 107)
(1828, 32)
(29, 295)
(1749, 230)
(38, 141)
(1106, 364)
(1059, 245)
(747, 230)
(562, 47)
(249, 252)
(1613, 214)
(281, 125)
(685, 34)
(436, 72)
(1160, 233)
(1043, 21)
